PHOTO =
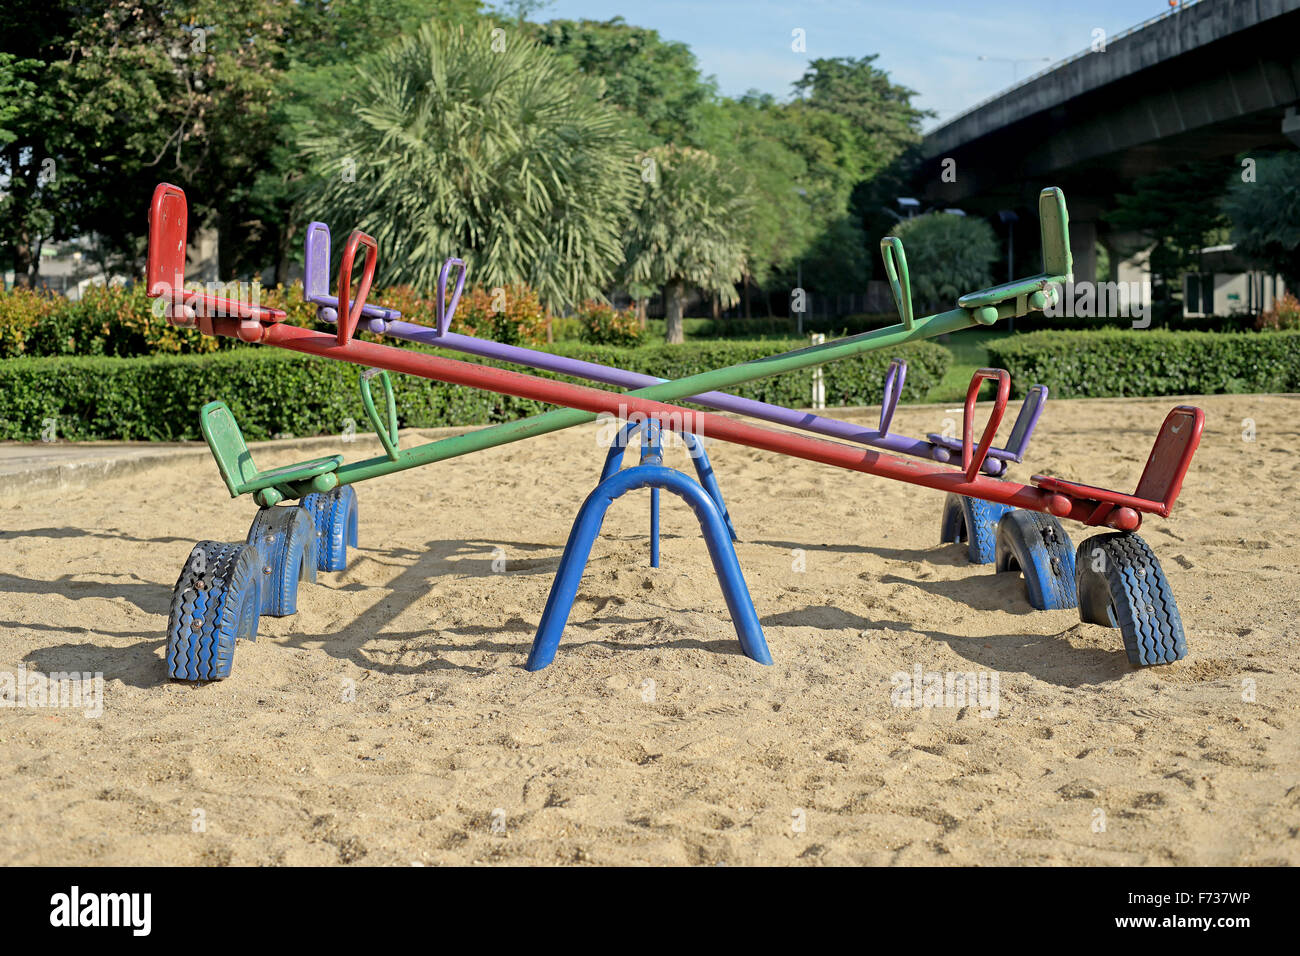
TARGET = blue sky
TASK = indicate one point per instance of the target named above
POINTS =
(932, 46)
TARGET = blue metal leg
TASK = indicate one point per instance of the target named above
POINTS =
(652, 453)
(704, 468)
(700, 457)
(614, 458)
(654, 527)
(586, 527)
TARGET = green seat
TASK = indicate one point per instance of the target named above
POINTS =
(1058, 265)
(235, 461)
(996, 295)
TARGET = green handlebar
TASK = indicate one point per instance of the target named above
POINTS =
(386, 430)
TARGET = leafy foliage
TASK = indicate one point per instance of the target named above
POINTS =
(115, 96)
(1265, 215)
(495, 154)
(655, 82)
(947, 256)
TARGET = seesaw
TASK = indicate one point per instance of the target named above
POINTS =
(1120, 585)
(963, 519)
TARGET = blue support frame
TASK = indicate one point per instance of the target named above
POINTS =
(714, 524)
(703, 468)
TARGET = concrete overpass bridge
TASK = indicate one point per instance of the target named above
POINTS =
(1209, 81)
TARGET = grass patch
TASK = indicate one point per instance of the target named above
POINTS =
(970, 351)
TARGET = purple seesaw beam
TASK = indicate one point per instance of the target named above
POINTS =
(387, 321)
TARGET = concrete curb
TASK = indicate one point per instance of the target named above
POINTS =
(60, 466)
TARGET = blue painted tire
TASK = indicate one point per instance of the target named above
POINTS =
(285, 539)
(334, 514)
(974, 521)
(1121, 584)
(1036, 544)
(215, 602)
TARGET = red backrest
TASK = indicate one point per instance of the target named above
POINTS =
(1171, 455)
(168, 222)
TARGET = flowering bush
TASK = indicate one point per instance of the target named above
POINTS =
(602, 324)
(1285, 314)
(513, 314)
(123, 321)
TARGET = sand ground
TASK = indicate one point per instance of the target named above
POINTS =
(390, 721)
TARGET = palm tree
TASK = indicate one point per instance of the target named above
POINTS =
(478, 143)
(687, 230)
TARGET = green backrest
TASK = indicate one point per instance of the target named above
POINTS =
(1054, 230)
(228, 446)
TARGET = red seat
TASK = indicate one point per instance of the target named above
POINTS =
(165, 268)
(1162, 478)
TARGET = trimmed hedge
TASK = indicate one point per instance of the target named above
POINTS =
(279, 393)
(1149, 362)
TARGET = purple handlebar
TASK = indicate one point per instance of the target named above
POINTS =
(316, 282)
(445, 312)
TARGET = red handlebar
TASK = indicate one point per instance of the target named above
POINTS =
(349, 317)
(971, 462)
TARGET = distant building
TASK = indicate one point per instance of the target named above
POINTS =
(70, 268)
(1228, 285)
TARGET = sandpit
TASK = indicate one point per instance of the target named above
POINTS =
(391, 722)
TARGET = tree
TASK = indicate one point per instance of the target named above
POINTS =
(806, 161)
(121, 94)
(98, 102)
(1177, 212)
(686, 230)
(324, 41)
(655, 82)
(481, 145)
(880, 114)
(749, 135)
(947, 256)
(1265, 215)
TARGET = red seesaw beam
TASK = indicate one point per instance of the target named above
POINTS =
(679, 419)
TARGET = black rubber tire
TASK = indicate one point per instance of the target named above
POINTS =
(285, 538)
(1121, 584)
(974, 521)
(216, 600)
(1035, 543)
(334, 514)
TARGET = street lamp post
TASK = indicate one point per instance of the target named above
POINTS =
(1009, 217)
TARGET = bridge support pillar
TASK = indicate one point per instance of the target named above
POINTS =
(1083, 247)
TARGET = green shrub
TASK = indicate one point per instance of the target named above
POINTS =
(1149, 362)
(602, 324)
(274, 392)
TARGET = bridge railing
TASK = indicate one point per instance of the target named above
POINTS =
(1171, 12)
